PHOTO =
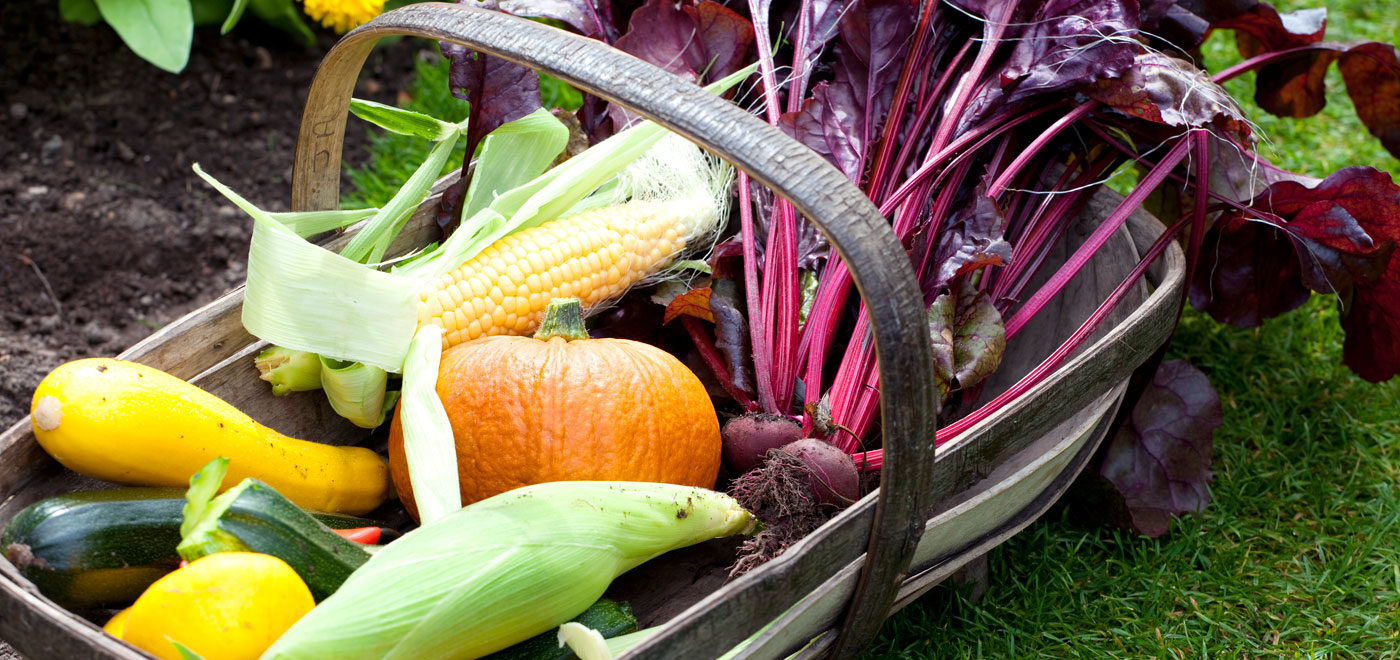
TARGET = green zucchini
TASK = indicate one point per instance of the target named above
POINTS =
(252, 517)
(101, 549)
(609, 617)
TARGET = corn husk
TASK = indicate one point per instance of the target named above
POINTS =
(505, 569)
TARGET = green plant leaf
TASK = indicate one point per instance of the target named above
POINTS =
(160, 31)
(403, 122)
(234, 15)
(82, 12)
(283, 15)
(210, 12)
(185, 653)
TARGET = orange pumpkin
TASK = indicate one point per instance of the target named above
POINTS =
(560, 406)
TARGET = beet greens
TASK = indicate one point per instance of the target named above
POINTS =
(981, 128)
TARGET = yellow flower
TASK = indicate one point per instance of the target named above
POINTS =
(341, 15)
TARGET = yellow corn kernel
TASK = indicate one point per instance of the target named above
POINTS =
(594, 256)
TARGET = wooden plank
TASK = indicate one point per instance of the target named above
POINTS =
(39, 628)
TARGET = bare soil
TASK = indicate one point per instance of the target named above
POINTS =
(105, 232)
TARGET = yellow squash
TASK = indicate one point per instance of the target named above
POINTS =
(116, 626)
(226, 606)
(132, 424)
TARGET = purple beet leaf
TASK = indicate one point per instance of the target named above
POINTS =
(1372, 75)
(1072, 42)
(1248, 273)
(1346, 226)
(590, 18)
(704, 41)
(499, 91)
(1159, 460)
(1292, 87)
(972, 239)
(842, 119)
(980, 338)
(700, 42)
(732, 332)
(1170, 91)
(1371, 319)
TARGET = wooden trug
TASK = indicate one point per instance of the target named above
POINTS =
(933, 512)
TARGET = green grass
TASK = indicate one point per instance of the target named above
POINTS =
(1299, 553)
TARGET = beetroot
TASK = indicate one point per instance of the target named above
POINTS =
(831, 473)
(747, 438)
(798, 487)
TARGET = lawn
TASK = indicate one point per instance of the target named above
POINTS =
(1297, 556)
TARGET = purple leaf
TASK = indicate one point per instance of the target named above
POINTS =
(732, 332)
(971, 240)
(1372, 75)
(1170, 91)
(701, 42)
(1072, 42)
(842, 119)
(1184, 25)
(1347, 225)
(812, 247)
(941, 316)
(1248, 273)
(1329, 237)
(1294, 87)
(498, 90)
(589, 18)
(1159, 460)
(822, 18)
(1372, 323)
(823, 126)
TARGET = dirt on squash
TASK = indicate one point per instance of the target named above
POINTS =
(105, 232)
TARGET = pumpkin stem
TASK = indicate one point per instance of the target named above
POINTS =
(563, 317)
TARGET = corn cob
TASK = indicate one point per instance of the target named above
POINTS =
(594, 256)
(505, 569)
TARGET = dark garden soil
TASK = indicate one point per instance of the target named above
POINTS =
(105, 233)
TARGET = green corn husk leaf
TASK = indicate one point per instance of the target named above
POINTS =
(185, 653)
(357, 391)
(551, 195)
(199, 531)
(310, 223)
(302, 296)
(512, 155)
(403, 122)
(505, 569)
(289, 370)
(373, 241)
(430, 450)
(203, 486)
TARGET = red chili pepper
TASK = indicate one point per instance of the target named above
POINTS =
(365, 535)
(183, 563)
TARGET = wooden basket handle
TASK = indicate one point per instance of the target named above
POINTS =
(878, 264)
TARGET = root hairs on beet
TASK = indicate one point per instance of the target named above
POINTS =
(779, 494)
